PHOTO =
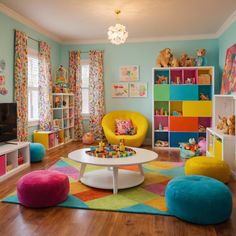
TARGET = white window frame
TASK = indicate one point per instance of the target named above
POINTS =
(33, 53)
(85, 116)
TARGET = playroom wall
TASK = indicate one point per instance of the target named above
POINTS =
(226, 40)
(7, 26)
(144, 55)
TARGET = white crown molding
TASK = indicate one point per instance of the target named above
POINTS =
(11, 13)
(148, 39)
(229, 21)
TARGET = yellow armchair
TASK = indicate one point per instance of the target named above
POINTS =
(139, 121)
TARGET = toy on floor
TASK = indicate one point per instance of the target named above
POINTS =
(201, 59)
(227, 124)
(190, 149)
(204, 97)
(161, 143)
(202, 146)
(111, 151)
(88, 138)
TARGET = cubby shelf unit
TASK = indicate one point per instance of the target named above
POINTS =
(13, 158)
(63, 122)
(220, 145)
(182, 104)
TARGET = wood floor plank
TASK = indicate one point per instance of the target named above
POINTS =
(17, 220)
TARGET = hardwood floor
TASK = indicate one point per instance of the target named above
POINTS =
(17, 220)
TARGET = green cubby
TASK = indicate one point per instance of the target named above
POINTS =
(162, 92)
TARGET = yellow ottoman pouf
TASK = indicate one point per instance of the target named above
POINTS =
(208, 166)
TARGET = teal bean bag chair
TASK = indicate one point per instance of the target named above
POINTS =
(37, 152)
(199, 199)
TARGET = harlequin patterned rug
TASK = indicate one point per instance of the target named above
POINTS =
(147, 198)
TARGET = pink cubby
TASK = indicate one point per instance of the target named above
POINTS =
(190, 76)
(176, 76)
(2, 165)
(161, 120)
(204, 122)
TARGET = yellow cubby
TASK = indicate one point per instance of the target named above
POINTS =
(197, 108)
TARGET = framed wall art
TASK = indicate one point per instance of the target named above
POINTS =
(138, 89)
(129, 73)
(120, 90)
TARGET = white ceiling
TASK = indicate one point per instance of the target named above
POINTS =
(88, 20)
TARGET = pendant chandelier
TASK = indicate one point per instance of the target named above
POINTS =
(117, 34)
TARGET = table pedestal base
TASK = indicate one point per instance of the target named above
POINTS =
(104, 179)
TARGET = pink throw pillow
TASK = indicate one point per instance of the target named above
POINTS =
(122, 126)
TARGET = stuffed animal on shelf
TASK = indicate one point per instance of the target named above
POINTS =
(186, 61)
(174, 62)
(227, 125)
(161, 79)
(164, 58)
(204, 97)
(201, 59)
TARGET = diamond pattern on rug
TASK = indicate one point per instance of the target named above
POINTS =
(93, 194)
(148, 198)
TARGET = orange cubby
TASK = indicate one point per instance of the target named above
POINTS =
(183, 124)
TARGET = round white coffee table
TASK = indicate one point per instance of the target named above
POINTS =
(112, 177)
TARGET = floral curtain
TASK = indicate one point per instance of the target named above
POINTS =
(75, 87)
(45, 87)
(21, 84)
(96, 93)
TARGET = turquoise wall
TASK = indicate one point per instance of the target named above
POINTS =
(226, 40)
(7, 26)
(144, 55)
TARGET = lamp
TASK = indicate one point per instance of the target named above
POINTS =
(117, 34)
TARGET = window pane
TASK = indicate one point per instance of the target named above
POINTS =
(33, 72)
(35, 106)
(85, 75)
(33, 84)
(85, 101)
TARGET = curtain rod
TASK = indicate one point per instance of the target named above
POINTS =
(38, 41)
(89, 51)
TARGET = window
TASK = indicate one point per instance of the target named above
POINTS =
(85, 86)
(33, 87)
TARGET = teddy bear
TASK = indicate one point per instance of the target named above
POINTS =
(227, 125)
(164, 58)
(201, 59)
(231, 125)
(186, 61)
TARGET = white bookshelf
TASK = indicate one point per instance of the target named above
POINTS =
(63, 122)
(13, 158)
(221, 145)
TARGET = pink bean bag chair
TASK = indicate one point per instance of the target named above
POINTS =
(42, 188)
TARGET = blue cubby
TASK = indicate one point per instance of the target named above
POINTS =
(183, 92)
(206, 90)
(161, 73)
(181, 137)
(163, 136)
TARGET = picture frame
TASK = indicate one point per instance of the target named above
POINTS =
(129, 73)
(120, 90)
(138, 90)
